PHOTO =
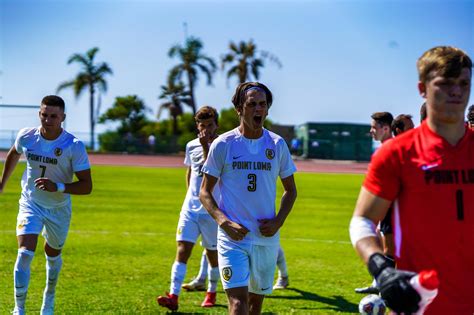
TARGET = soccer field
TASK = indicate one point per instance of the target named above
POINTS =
(121, 246)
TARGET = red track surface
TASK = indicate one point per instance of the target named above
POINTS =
(314, 166)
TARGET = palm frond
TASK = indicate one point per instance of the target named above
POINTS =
(64, 85)
(79, 59)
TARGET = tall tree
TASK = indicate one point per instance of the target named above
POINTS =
(192, 61)
(130, 111)
(245, 61)
(175, 96)
(91, 77)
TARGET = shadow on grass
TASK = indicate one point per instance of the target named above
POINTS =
(335, 303)
(216, 309)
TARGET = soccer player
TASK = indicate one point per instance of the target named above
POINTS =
(194, 219)
(53, 156)
(428, 173)
(402, 123)
(381, 126)
(381, 130)
(246, 163)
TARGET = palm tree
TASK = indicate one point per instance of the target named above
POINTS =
(91, 77)
(245, 60)
(176, 96)
(192, 62)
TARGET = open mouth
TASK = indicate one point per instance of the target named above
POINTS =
(258, 119)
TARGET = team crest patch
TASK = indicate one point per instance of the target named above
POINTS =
(22, 224)
(226, 273)
(180, 230)
(270, 153)
(58, 151)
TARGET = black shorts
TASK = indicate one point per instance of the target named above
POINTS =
(386, 223)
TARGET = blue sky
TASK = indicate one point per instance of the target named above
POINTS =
(342, 60)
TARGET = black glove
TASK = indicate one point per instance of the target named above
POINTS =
(394, 285)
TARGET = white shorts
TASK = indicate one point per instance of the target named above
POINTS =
(192, 224)
(33, 218)
(247, 265)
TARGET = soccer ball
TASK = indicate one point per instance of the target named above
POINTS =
(372, 305)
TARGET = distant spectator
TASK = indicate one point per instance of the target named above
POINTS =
(152, 142)
(295, 145)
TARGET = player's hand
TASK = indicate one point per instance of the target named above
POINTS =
(45, 184)
(396, 290)
(204, 138)
(234, 230)
(268, 227)
(394, 285)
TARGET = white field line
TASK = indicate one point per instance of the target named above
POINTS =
(154, 234)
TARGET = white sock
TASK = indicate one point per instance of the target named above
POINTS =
(178, 272)
(213, 278)
(21, 276)
(202, 275)
(281, 263)
(53, 267)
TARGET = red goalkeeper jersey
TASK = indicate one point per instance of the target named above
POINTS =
(431, 184)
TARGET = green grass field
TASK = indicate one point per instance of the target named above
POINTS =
(121, 247)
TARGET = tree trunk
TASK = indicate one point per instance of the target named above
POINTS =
(92, 118)
(191, 92)
(175, 125)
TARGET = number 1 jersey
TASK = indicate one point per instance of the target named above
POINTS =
(432, 185)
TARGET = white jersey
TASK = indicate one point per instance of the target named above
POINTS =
(56, 159)
(248, 170)
(194, 158)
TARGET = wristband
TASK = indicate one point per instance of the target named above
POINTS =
(377, 263)
(61, 187)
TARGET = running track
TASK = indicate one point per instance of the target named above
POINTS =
(313, 166)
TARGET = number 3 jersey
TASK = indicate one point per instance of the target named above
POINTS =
(56, 159)
(432, 185)
(248, 170)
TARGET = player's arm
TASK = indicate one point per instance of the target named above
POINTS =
(234, 230)
(394, 284)
(83, 185)
(268, 227)
(10, 163)
(370, 209)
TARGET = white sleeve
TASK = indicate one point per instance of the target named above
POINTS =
(187, 158)
(18, 140)
(215, 159)
(80, 160)
(287, 167)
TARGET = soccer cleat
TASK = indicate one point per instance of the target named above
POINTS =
(367, 290)
(209, 300)
(170, 301)
(282, 283)
(195, 285)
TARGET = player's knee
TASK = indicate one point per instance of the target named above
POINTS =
(238, 306)
(51, 252)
